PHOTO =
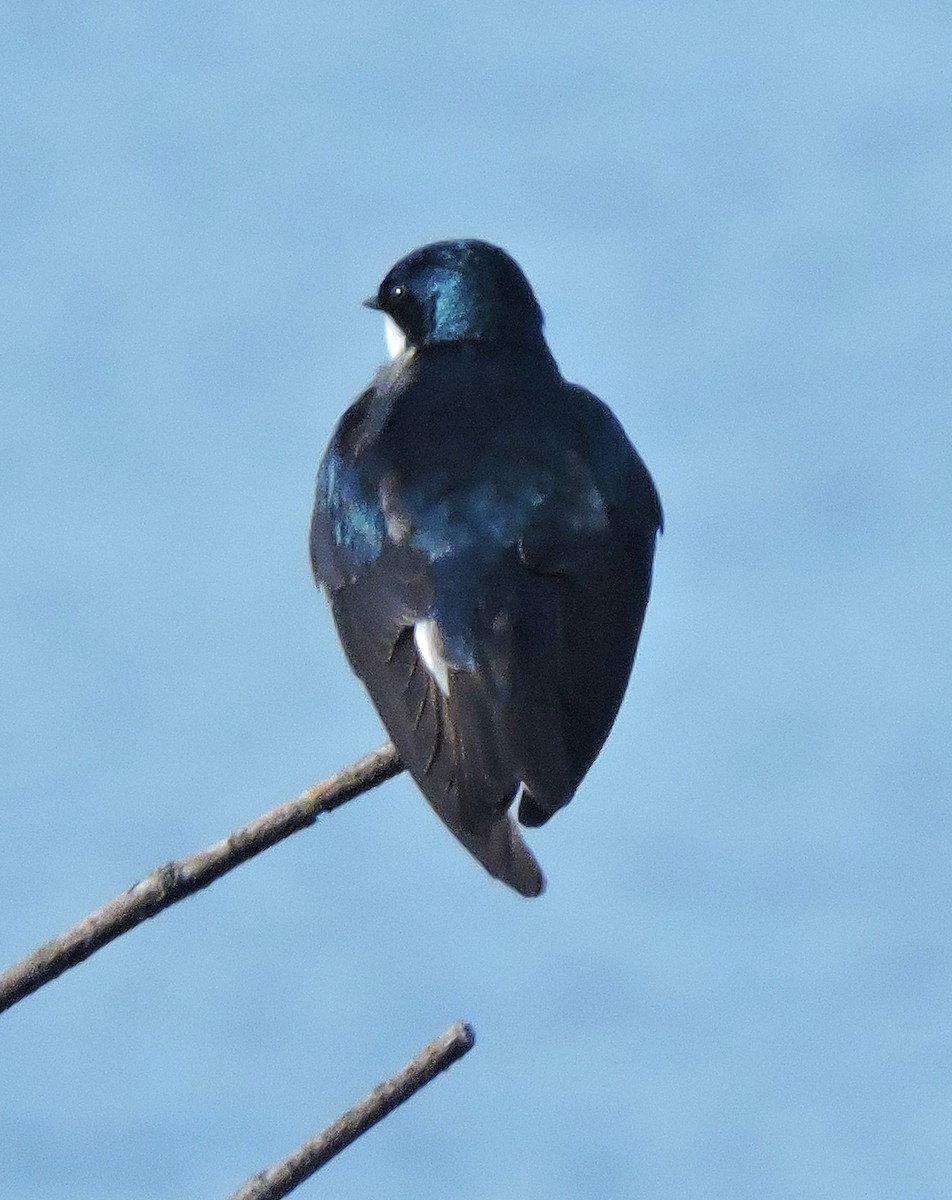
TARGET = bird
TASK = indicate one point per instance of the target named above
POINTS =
(484, 532)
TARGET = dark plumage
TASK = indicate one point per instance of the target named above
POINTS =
(485, 532)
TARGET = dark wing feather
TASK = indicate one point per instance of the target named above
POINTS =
(445, 742)
(378, 588)
(594, 545)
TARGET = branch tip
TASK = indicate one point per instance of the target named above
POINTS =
(173, 881)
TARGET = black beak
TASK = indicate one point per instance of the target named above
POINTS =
(372, 302)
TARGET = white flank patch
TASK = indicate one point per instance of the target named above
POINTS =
(426, 634)
(396, 338)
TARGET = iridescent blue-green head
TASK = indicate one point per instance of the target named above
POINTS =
(458, 291)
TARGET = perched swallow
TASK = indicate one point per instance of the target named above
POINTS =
(485, 533)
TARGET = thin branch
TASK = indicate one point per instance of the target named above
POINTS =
(285, 1176)
(176, 880)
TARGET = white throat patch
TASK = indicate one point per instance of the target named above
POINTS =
(426, 635)
(396, 338)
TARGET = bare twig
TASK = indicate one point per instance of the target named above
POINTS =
(176, 880)
(285, 1176)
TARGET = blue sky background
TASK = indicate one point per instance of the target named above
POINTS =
(737, 218)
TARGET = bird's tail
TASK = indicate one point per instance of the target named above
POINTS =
(501, 850)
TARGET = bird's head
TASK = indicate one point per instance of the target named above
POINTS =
(456, 292)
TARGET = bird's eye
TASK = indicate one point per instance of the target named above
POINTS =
(396, 291)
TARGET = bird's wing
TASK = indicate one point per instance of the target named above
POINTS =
(589, 550)
(381, 592)
(347, 529)
(445, 739)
